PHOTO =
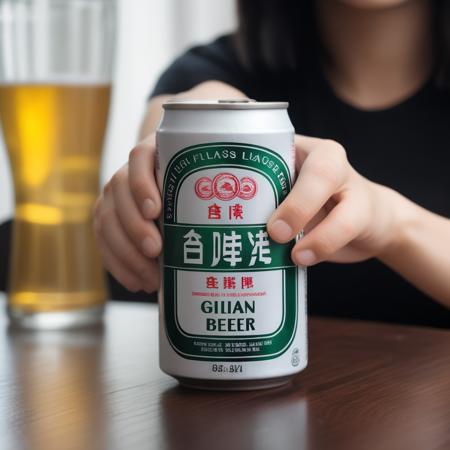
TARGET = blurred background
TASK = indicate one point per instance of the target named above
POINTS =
(150, 34)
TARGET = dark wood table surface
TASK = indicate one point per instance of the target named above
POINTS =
(367, 386)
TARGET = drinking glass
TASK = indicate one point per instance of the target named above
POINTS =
(55, 85)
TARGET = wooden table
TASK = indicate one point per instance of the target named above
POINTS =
(367, 386)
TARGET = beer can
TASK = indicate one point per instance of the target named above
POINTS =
(232, 303)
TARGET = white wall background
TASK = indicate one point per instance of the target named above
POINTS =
(151, 33)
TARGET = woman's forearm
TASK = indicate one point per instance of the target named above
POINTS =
(420, 247)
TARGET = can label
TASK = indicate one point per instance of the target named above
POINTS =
(230, 292)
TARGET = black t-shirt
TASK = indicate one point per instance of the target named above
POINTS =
(405, 147)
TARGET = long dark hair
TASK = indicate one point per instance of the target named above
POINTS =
(278, 35)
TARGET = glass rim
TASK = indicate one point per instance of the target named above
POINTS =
(60, 1)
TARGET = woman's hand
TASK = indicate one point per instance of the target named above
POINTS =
(346, 217)
(128, 238)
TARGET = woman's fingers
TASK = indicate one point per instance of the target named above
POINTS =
(117, 268)
(141, 172)
(122, 247)
(326, 200)
(304, 145)
(342, 225)
(120, 272)
(143, 233)
(121, 257)
(322, 175)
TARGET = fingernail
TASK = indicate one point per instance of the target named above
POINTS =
(281, 230)
(148, 208)
(150, 247)
(305, 257)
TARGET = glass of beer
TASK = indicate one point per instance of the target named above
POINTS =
(55, 84)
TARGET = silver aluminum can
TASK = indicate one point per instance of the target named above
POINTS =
(232, 303)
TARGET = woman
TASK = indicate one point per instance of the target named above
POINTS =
(370, 80)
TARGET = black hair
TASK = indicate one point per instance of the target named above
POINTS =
(278, 35)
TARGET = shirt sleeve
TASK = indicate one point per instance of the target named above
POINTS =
(199, 64)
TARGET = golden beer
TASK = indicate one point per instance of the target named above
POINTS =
(54, 135)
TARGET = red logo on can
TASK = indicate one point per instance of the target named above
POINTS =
(225, 186)
(248, 188)
(204, 188)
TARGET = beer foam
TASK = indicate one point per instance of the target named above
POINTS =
(59, 81)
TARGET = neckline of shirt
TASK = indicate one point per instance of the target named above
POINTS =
(422, 91)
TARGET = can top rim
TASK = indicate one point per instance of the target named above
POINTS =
(223, 104)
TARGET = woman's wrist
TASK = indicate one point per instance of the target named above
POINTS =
(417, 246)
(401, 222)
